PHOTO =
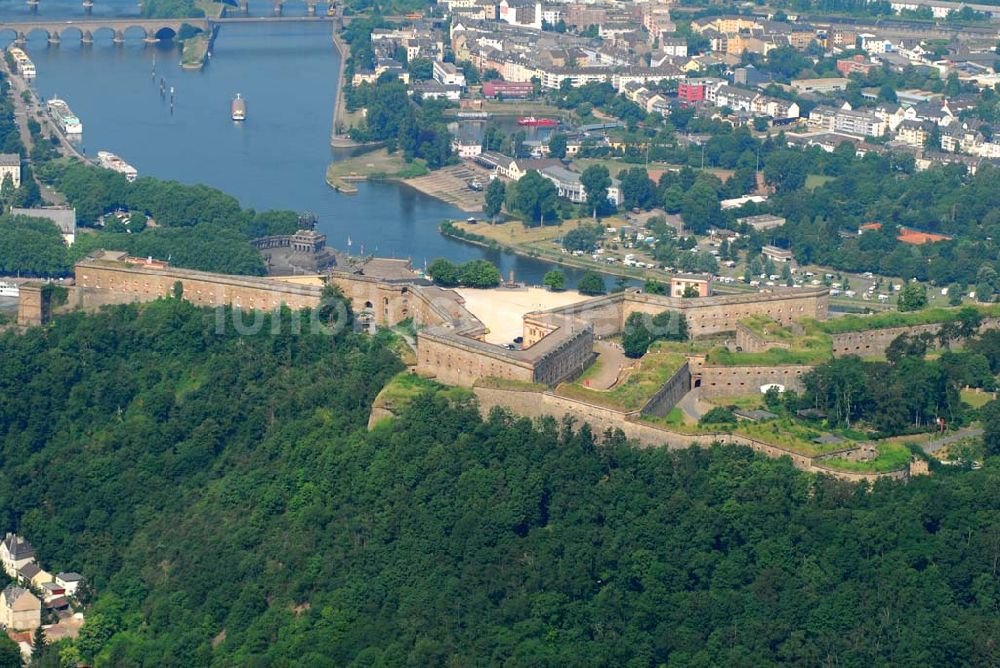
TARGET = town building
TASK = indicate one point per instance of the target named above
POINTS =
(70, 581)
(20, 610)
(508, 89)
(447, 74)
(15, 553)
(764, 221)
(568, 185)
(776, 254)
(700, 284)
(858, 64)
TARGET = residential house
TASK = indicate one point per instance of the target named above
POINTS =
(914, 133)
(20, 609)
(432, 90)
(51, 590)
(464, 147)
(521, 166)
(70, 581)
(15, 552)
(858, 64)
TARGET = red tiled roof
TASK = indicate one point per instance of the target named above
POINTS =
(916, 237)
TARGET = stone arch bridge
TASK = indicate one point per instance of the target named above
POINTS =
(151, 30)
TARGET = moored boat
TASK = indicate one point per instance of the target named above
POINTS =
(65, 117)
(537, 122)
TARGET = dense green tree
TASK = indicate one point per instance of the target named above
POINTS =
(591, 283)
(554, 280)
(496, 192)
(596, 180)
(912, 297)
(534, 197)
(583, 238)
(557, 145)
(638, 191)
(700, 209)
(242, 467)
(479, 274)
(10, 653)
(443, 272)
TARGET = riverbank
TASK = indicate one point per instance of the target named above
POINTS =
(339, 137)
(376, 165)
(539, 243)
(448, 184)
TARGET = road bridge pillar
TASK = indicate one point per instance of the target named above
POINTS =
(311, 8)
(53, 39)
(278, 6)
(33, 6)
(21, 39)
(119, 37)
(87, 37)
(88, 5)
(244, 6)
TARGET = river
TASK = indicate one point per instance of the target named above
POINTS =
(275, 160)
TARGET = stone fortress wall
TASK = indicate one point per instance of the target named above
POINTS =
(537, 404)
(874, 342)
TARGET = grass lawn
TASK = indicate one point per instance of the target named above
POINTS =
(812, 353)
(789, 434)
(376, 164)
(516, 232)
(814, 181)
(744, 401)
(654, 369)
(857, 323)
(977, 399)
(405, 387)
(891, 457)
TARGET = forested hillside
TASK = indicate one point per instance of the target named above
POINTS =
(225, 499)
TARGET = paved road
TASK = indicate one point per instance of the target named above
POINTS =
(938, 443)
(690, 404)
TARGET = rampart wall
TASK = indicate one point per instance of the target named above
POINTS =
(540, 404)
(723, 381)
(671, 392)
(99, 283)
(874, 342)
(711, 315)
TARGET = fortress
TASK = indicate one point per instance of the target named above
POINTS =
(451, 345)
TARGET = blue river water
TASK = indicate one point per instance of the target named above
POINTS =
(275, 160)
